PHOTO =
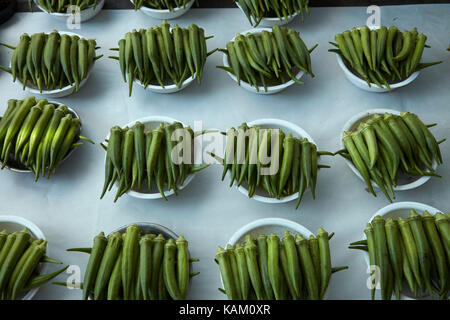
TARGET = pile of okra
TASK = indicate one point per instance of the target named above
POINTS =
(160, 4)
(20, 256)
(269, 159)
(135, 266)
(283, 9)
(266, 268)
(416, 249)
(135, 154)
(61, 6)
(268, 58)
(163, 56)
(38, 134)
(382, 56)
(52, 61)
(386, 145)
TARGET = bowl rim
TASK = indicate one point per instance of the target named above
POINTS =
(36, 91)
(403, 205)
(249, 87)
(412, 185)
(72, 111)
(157, 195)
(158, 226)
(300, 132)
(170, 87)
(281, 222)
(187, 7)
(60, 14)
(272, 19)
(374, 87)
(35, 232)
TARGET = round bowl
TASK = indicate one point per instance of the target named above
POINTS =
(150, 123)
(286, 127)
(267, 226)
(397, 210)
(85, 14)
(362, 84)
(147, 227)
(247, 86)
(8, 11)
(270, 22)
(57, 93)
(171, 88)
(166, 14)
(405, 182)
(17, 166)
(15, 223)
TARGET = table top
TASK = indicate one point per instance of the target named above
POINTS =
(67, 207)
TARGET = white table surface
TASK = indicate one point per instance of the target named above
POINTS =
(67, 207)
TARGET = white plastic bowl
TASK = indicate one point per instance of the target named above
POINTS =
(85, 14)
(397, 210)
(150, 123)
(270, 22)
(247, 86)
(286, 127)
(172, 88)
(166, 14)
(405, 182)
(57, 93)
(267, 226)
(18, 167)
(362, 84)
(15, 223)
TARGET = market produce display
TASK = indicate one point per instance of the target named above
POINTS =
(163, 55)
(136, 266)
(51, 61)
(268, 58)
(267, 268)
(140, 159)
(386, 146)
(382, 56)
(61, 6)
(283, 9)
(38, 135)
(270, 160)
(20, 257)
(161, 4)
(416, 249)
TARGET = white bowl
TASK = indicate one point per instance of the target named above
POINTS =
(405, 182)
(172, 88)
(150, 123)
(16, 166)
(85, 14)
(397, 210)
(246, 85)
(57, 93)
(267, 226)
(270, 22)
(362, 84)
(15, 223)
(166, 14)
(287, 127)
